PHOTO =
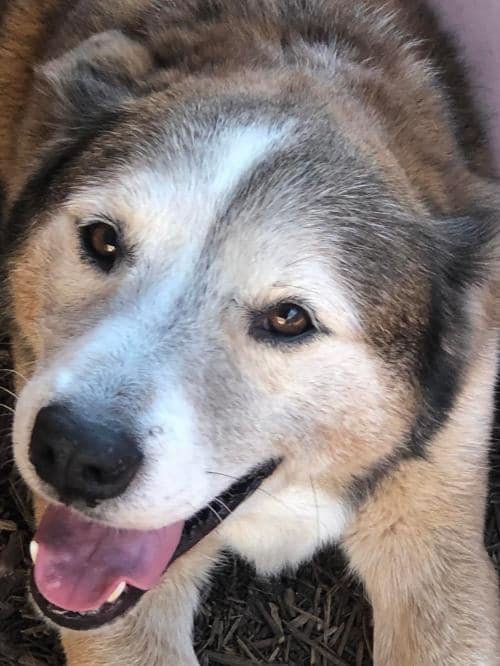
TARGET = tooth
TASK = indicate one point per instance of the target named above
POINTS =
(34, 548)
(117, 593)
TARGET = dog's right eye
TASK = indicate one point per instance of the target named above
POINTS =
(101, 244)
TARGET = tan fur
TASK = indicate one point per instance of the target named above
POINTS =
(419, 548)
(18, 55)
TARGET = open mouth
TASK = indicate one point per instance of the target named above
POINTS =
(53, 565)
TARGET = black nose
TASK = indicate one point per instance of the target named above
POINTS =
(82, 460)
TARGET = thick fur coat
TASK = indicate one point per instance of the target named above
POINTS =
(246, 156)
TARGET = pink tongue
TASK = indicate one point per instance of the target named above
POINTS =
(80, 563)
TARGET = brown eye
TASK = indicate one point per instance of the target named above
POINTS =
(100, 242)
(288, 320)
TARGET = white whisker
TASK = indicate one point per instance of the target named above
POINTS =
(257, 490)
(224, 505)
(313, 488)
(209, 506)
(9, 392)
(14, 372)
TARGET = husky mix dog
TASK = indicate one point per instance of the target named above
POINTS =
(251, 261)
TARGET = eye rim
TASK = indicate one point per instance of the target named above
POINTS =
(262, 330)
(104, 261)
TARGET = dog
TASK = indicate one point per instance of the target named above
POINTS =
(251, 268)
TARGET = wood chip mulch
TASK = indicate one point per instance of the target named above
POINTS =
(317, 616)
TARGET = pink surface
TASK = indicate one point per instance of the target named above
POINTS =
(476, 25)
(80, 563)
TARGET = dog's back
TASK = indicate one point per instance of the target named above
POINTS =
(400, 36)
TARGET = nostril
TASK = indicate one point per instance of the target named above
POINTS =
(100, 475)
(93, 475)
(49, 456)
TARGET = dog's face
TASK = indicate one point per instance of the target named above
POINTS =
(222, 279)
(222, 330)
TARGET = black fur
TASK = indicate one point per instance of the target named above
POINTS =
(362, 487)
(2, 202)
(3, 11)
(444, 352)
(457, 261)
(208, 10)
(47, 185)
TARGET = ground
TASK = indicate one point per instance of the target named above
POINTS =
(318, 615)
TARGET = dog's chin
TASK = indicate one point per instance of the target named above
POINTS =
(195, 529)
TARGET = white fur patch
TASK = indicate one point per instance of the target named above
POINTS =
(284, 529)
(166, 207)
(165, 211)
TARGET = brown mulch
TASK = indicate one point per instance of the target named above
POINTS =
(316, 616)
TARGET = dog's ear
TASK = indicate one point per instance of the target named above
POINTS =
(463, 313)
(95, 77)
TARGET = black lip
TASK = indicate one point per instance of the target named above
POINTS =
(195, 529)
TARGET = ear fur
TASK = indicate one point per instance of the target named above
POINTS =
(463, 310)
(96, 76)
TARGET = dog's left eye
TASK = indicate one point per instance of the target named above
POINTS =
(287, 321)
(101, 243)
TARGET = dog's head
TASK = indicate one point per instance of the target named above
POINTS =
(218, 281)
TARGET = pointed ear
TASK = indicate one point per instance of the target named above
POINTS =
(462, 318)
(96, 76)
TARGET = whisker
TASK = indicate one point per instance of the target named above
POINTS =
(7, 407)
(313, 488)
(221, 520)
(14, 372)
(9, 392)
(257, 490)
(209, 507)
(223, 505)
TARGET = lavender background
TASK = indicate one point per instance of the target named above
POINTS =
(476, 25)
